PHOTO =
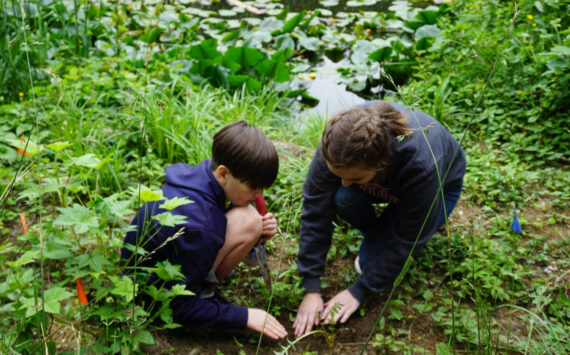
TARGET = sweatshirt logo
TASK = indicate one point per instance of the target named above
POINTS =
(379, 191)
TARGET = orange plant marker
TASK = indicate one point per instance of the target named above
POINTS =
(24, 224)
(80, 291)
(21, 151)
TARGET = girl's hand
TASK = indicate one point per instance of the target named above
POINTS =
(347, 305)
(263, 322)
(308, 313)
(269, 226)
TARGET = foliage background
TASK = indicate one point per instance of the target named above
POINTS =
(103, 95)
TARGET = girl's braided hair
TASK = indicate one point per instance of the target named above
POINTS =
(361, 136)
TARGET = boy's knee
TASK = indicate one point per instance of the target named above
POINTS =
(246, 222)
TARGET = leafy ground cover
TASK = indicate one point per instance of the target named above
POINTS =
(97, 98)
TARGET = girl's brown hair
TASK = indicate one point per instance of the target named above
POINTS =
(361, 136)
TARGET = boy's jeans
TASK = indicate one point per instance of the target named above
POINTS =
(355, 206)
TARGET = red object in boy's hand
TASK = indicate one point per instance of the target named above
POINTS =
(260, 204)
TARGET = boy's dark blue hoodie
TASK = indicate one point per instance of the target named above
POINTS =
(196, 249)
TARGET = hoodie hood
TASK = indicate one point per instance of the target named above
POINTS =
(197, 178)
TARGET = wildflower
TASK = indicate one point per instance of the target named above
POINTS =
(152, 44)
(126, 73)
(42, 176)
(439, 82)
(529, 17)
(21, 151)
(533, 24)
(360, 36)
(516, 226)
(368, 30)
(312, 76)
(80, 291)
(355, 80)
(87, 75)
(21, 94)
(462, 30)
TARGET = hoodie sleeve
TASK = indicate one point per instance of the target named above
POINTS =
(196, 251)
(418, 188)
(197, 312)
(316, 222)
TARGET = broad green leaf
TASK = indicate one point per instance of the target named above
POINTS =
(424, 43)
(427, 31)
(149, 196)
(169, 220)
(56, 250)
(281, 73)
(244, 56)
(172, 203)
(360, 52)
(205, 50)
(144, 337)
(151, 35)
(381, 55)
(180, 290)
(413, 25)
(266, 68)
(237, 80)
(358, 3)
(58, 146)
(89, 161)
(32, 148)
(124, 288)
(168, 272)
(231, 36)
(253, 84)
(310, 43)
(24, 259)
(291, 23)
(53, 297)
(78, 217)
(561, 50)
(429, 17)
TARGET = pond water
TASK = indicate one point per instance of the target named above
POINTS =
(333, 97)
(299, 5)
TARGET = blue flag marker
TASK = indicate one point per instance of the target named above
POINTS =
(516, 226)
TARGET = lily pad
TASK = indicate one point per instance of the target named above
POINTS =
(227, 13)
(357, 3)
(329, 3)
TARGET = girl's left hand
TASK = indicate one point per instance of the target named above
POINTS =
(269, 226)
(347, 305)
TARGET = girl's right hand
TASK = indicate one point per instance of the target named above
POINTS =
(263, 322)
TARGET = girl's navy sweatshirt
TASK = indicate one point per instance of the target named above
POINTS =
(196, 249)
(411, 180)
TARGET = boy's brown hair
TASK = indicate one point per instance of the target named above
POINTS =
(250, 156)
(361, 136)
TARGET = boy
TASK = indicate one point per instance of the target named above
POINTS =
(215, 238)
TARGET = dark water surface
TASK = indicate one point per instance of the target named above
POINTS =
(299, 5)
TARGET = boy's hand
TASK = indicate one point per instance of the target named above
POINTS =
(269, 226)
(347, 306)
(308, 313)
(263, 322)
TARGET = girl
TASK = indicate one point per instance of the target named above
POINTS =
(375, 153)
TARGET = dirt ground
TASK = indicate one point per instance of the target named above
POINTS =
(416, 329)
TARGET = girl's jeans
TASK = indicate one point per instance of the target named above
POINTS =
(355, 206)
